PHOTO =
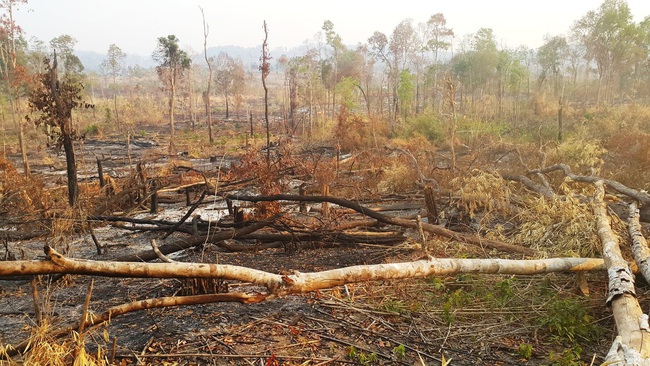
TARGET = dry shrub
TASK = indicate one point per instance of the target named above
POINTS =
(20, 194)
(563, 227)
(540, 105)
(484, 193)
(354, 132)
(269, 175)
(45, 350)
(398, 177)
(580, 154)
(630, 159)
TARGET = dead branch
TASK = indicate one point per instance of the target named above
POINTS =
(617, 186)
(542, 189)
(161, 256)
(22, 235)
(386, 238)
(434, 229)
(634, 342)
(423, 181)
(146, 304)
(187, 214)
(194, 240)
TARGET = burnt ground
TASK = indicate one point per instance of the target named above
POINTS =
(468, 319)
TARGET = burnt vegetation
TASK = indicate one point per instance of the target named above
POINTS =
(392, 203)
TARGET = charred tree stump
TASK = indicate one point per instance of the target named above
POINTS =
(430, 202)
(154, 197)
(238, 217)
(302, 192)
(231, 212)
(100, 172)
(326, 205)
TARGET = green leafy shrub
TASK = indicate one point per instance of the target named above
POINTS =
(568, 319)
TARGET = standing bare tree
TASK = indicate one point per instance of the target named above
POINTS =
(266, 69)
(172, 61)
(206, 95)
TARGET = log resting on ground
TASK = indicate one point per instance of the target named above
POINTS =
(279, 285)
(433, 229)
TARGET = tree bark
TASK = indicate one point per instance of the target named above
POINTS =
(639, 243)
(280, 285)
(208, 109)
(633, 341)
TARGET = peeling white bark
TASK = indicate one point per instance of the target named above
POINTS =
(298, 282)
(632, 345)
(639, 243)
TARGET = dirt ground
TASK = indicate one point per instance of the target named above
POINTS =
(386, 323)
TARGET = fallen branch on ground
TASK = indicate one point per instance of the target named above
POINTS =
(279, 285)
(434, 229)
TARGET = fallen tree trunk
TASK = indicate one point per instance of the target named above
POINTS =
(434, 229)
(279, 285)
(633, 342)
(387, 238)
(639, 244)
(185, 243)
(617, 186)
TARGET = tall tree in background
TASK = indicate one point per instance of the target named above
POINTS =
(114, 64)
(610, 39)
(207, 94)
(438, 38)
(551, 57)
(378, 44)
(172, 61)
(402, 46)
(64, 46)
(15, 77)
(334, 41)
(229, 77)
(55, 100)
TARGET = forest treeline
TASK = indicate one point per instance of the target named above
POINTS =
(391, 80)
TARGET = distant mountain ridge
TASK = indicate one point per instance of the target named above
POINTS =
(250, 56)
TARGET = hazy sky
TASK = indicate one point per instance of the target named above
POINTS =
(135, 25)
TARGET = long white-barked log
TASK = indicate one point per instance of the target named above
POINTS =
(297, 282)
(632, 346)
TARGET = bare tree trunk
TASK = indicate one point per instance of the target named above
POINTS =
(265, 72)
(71, 166)
(21, 137)
(117, 116)
(208, 110)
(172, 97)
(191, 98)
(66, 134)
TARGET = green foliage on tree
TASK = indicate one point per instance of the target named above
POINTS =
(611, 40)
(64, 47)
(229, 77)
(406, 91)
(172, 62)
(551, 57)
(114, 64)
